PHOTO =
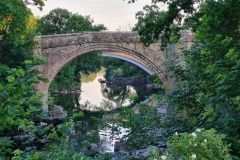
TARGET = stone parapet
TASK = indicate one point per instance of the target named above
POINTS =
(52, 41)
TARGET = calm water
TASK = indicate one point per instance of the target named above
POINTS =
(98, 98)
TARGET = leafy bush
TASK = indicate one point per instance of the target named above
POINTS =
(201, 144)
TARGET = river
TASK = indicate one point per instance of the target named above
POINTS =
(98, 99)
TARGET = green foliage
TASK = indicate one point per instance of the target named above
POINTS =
(121, 68)
(39, 3)
(154, 79)
(118, 94)
(201, 144)
(99, 27)
(147, 22)
(70, 139)
(144, 126)
(209, 88)
(5, 146)
(17, 96)
(208, 91)
(59, 21)
(65, 79)
(16, 37)
(22, 134)
(70, 74)
(154, 24)
(89, 63)
(19, 104)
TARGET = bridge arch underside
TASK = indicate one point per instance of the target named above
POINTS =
(130, 59)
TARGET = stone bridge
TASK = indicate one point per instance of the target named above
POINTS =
(59, 50)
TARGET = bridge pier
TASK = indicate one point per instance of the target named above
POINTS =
(44, 100)
(42, 88)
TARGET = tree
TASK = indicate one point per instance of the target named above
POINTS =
(163, 25)
(20, 110)
(39, 3)
(19, 106)
(99, 27)
(60, 21)
(54, 22)
(148, 22)
(16, 37)
(208, 92)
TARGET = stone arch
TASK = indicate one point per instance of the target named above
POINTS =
(51, 72)
(130, 60)
(58, 50)
(55, 64)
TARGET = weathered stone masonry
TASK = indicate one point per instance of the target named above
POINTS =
(59, 50)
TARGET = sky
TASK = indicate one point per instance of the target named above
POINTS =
(114, 14)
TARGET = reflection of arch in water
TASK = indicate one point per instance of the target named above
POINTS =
(131, 60)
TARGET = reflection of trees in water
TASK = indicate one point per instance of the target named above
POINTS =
(92, 76)
(118, 94)
(67, 101)
(142, 92)
(107, 105)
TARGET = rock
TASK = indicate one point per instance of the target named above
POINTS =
(43, 124)
(94, 147)
(91, 152)
(18, 137)
(160, 144)
(57, 112)
(162, 150)
(142, 153)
